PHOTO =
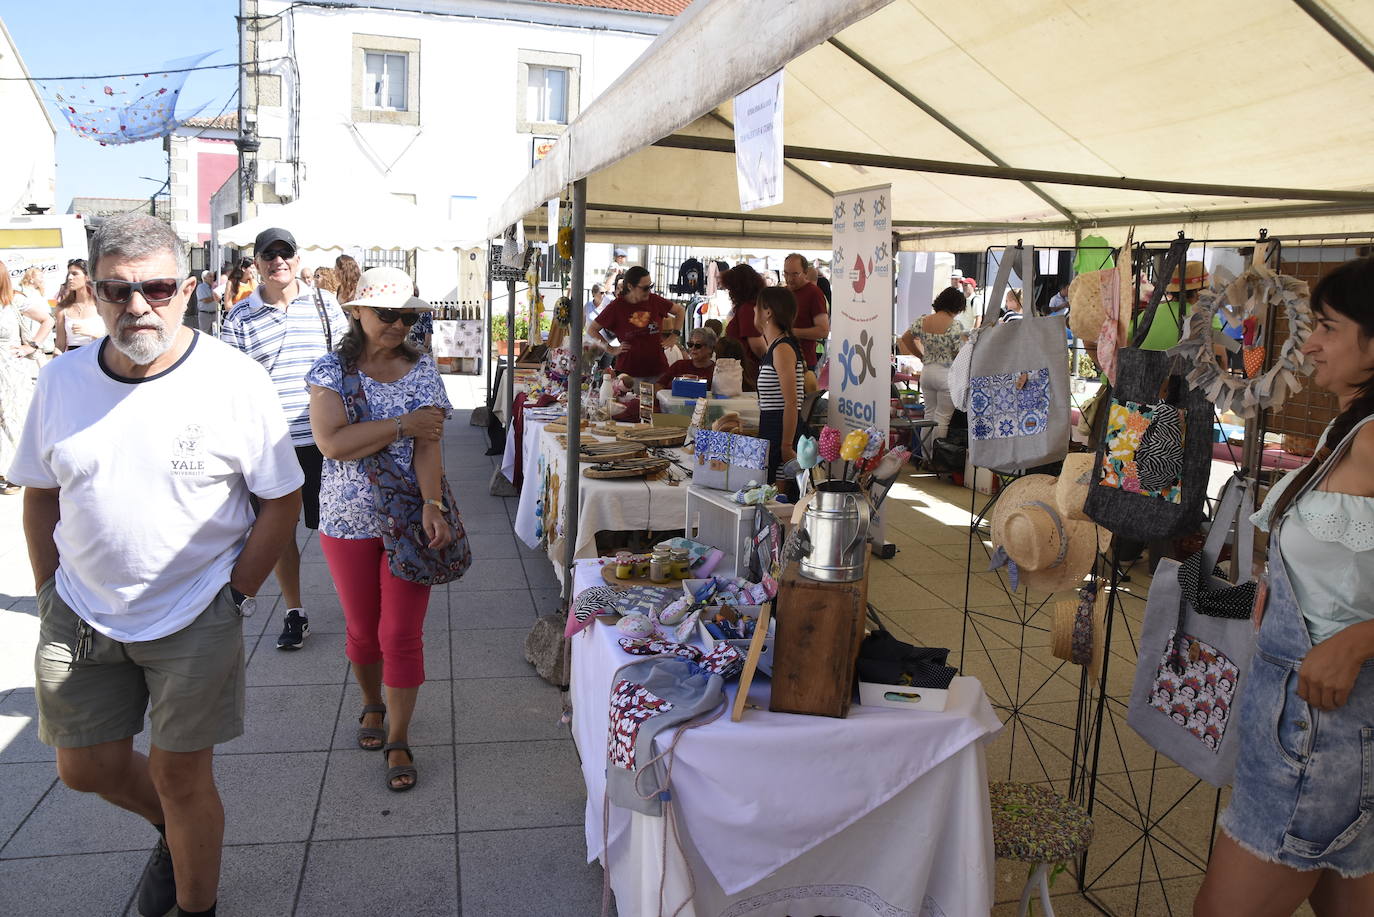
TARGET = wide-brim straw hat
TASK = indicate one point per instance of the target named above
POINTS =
(387, 288)
(1090, 292)
(1194, 277)
(1071, 487)
(1052, 553)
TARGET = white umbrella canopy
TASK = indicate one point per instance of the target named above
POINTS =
(346, 221)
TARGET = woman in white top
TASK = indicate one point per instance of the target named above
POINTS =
(18, 370)
(35, 314)
(936, 338)
(78, 321)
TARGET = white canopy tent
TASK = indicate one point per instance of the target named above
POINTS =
(347, 221)
(994, 120)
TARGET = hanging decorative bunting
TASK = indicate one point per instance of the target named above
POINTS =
(124, 109)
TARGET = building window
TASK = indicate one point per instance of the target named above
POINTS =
(548, 90)
(386, 79)
(546, 95)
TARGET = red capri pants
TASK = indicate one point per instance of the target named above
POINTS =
(385, 614)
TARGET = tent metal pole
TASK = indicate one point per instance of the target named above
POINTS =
(1337, 31)
(946, 123)
(490, 346)
(945, 167)
(573, 467)
(510, 355)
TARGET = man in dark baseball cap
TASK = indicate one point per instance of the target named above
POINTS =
(286, 326)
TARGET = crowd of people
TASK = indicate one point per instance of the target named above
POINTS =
(146, 566)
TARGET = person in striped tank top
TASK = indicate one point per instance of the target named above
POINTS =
(286, 326)
(782, 375)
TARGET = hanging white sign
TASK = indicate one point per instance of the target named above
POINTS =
(860, 348)
(758, 143)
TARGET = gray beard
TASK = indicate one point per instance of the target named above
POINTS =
(143, 349)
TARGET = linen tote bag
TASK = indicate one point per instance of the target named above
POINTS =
(1195, 649)
(1154, 436)
(1018, 388)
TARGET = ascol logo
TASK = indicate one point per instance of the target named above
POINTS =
(857, 362)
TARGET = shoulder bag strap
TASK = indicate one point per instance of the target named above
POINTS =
(324, 320)
(1178, 252)
(993, 302)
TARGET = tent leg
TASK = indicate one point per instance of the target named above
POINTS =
(575, 315)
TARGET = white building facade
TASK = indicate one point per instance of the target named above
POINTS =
(28, 160)
(201, 157)
(443, 103)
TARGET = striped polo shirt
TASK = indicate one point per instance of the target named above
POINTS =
(287, 342)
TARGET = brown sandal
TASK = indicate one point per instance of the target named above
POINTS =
(400, 770)
(374, 733)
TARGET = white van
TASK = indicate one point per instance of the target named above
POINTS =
(47, 241)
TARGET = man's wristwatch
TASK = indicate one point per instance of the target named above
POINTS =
(246, 604)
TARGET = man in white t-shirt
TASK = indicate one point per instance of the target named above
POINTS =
(139, 462)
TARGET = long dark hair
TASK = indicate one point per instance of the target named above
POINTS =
(347, 276)
(783, 305)
(950, 300)
(69, 296)
(634, 275)
(350, 346)
(743, 283)
(1349, 291)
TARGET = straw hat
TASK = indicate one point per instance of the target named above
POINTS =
(1051, 551)
(1090, 292)
(387, 288)
(1194, 277)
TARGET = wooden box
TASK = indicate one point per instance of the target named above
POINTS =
(816, 645)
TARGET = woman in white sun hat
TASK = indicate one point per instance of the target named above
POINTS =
(405, 397)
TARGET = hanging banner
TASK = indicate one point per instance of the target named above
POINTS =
(758, 143)
(860, 348)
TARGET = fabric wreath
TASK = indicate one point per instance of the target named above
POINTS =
(1253, 293)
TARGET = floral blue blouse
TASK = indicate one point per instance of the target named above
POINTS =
(346, 506)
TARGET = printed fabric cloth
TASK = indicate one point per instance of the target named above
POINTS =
(942, 348)
(1009, 404)
(1144, 449)
(347, 507)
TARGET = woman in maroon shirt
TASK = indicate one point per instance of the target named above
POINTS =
(743, 283)
(638, 318)
(700, 362)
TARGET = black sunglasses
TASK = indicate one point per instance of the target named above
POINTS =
(272, 254)
(693, 345)
(119, 292)
(387, 316)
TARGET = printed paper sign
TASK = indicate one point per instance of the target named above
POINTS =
(758, 143)
(861, 313)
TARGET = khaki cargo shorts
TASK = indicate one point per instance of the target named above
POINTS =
(92, 689)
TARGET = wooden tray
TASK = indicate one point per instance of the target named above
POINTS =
(628, 468)
(660, 437)
(609, 452)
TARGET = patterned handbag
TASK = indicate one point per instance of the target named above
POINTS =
(1154, 451)
(1018, 388)
(398, 500)
(1195, 648)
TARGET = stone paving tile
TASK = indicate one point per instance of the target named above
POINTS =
(485, 522)
(357, 803)
(319, 662)
(431, 724)
(491, 653)
(415, 876)
(519, 785)
(482, 610)
(502, 869)
(286, 718)
(59, 886)
(539, 573)
(24, 785)
(547, 600)
(268, 798)
(258, 880)
(529, 709)
(492, 546)
(489, 575)
(67, 822)
(19, 729)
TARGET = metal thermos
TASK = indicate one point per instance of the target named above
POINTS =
(836, 523)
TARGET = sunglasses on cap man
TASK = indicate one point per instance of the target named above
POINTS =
(282, 251)
(387, 316)
(156, 291)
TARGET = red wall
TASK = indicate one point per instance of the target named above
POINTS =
(212, 169)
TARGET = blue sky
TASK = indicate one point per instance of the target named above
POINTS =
(86, 37)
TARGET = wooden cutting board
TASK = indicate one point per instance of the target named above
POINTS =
(658, 437)
(627, 468)
(609, 452)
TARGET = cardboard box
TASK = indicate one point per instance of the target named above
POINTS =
(903, 697)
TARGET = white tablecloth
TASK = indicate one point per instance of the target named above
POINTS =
(604, 505)
(884, 812)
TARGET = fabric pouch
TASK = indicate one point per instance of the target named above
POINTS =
(1143, 451)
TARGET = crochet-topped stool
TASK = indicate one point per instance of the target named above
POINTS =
(1034, 824)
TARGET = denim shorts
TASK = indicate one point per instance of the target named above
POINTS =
(93, 689)
(1303, 792)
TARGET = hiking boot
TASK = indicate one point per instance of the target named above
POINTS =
(293, 631)
(157, 889)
